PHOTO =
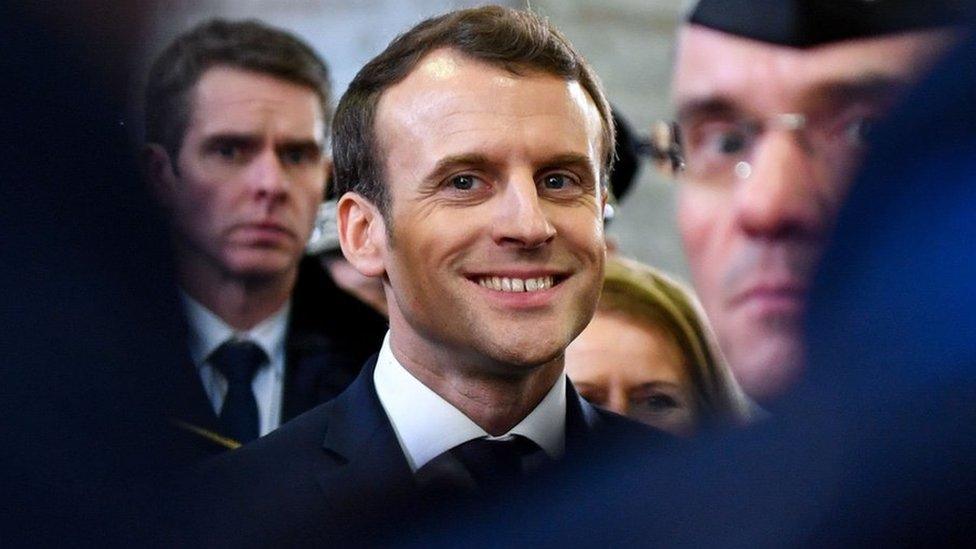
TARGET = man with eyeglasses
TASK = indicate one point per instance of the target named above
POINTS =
(774, 101)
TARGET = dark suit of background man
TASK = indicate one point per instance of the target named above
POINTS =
(236, 121)
(472, 159)
(773, 113)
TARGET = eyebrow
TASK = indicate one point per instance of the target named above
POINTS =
(716, 105)
(576, 160)
(250, 140)
(452, 162)
(657, 385)
(872, 87)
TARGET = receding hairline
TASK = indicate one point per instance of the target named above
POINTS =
(517, 71)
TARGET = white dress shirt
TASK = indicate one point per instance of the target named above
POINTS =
(426, 425)
(208, 331)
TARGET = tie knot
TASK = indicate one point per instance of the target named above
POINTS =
(238, 360)
(491, 461)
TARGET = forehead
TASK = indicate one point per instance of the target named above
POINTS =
(450, 101)
(231, 99)
(712, 64)
(654, 350)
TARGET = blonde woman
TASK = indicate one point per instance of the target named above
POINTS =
(649, 354)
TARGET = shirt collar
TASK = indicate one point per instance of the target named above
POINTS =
(426, 425)
(208, 331)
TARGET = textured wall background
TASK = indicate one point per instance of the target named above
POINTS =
(628, 41)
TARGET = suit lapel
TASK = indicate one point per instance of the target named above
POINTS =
(582, 420)
(193, 416)
(362, 458)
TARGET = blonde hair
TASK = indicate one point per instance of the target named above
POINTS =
(648, 295)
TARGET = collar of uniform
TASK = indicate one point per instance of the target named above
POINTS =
(208, 331)
(426, 425)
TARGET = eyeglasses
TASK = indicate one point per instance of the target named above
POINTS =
(717, 149)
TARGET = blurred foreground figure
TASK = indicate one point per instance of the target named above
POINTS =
(236, 120)
(472, 161)
(649, 354)
(877, 445)
(775, 100)
(86, 349)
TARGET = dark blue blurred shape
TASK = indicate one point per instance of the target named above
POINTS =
(89, 331)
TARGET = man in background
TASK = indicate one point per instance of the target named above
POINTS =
(236, 122)
(773, 115)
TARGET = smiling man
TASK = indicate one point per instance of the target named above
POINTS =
(773, 116)
(237, 115)
(472, 159)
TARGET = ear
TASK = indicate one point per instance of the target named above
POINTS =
(159, 173)
(362, 234)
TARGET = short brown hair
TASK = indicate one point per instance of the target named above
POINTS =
(246, 45)
(516, 40)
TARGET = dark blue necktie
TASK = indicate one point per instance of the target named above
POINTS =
(495, 464)
(239, 361)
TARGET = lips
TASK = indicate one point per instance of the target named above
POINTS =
(772, 298)
(267, 229)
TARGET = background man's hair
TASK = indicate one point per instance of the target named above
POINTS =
(246, 45)
(515, 40)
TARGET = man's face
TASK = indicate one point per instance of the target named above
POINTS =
(761, 190)
(496, 249)
(249, 175)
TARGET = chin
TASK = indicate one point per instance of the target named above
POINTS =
(525, 355)
(261, 272)
(768, 369)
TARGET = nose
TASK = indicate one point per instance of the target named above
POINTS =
(780, 192)
(268, 178)
(617, 400)
(520, 219)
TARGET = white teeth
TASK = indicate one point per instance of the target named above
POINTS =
(502, 284)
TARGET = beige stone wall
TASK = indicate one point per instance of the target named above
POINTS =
(630, 43)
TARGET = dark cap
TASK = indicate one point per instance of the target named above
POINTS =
(807, 23)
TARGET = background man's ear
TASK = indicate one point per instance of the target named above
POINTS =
(159, 172)
(362, 234)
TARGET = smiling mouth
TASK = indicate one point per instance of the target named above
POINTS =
(508, 284)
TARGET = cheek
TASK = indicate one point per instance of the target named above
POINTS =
(699, 217)
(583, 232)
(198, 204)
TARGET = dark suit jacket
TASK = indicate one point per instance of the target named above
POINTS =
(330, 335)
(336, 473)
